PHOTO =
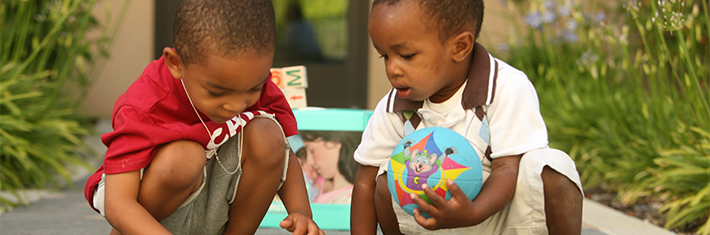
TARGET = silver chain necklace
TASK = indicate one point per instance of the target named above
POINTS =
(209, 133)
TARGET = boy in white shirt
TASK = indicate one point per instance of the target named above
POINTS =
(442, 77)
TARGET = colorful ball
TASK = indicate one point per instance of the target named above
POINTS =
(431, 156)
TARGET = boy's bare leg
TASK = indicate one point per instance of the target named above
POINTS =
(262, 164)
(174, 173)
(563, 203)
(363, 210)
(383, 205)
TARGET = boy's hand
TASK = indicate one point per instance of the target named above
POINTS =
(445, 214)
(298, 223)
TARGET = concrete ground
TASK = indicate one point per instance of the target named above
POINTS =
(66, 212)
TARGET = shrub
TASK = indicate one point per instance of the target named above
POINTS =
(626, 95)
(46, 63)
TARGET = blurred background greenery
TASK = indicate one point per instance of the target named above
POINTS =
(328, 19)
(624, 89)
(49, 50)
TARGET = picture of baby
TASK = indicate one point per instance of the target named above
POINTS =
(328, 164)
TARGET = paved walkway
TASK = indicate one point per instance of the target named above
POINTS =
(67, 213)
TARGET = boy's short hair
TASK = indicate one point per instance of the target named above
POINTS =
(450, 16)
(223, 27)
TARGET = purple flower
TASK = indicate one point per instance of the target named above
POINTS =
(550, 4)
(571, 25)
(569, 36)
(564, 11)
(549, 17)
(600, 17)
(534, 19)
(503, 47)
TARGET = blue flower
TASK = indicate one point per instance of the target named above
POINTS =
(534, 19)
(549, 17)
(550, 4)
(564, 11)
(503, 47)
(569, 36)
(571, 25)
(600, 17)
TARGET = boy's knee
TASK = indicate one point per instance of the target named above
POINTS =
(557, 183)
(177, 165)
(264, 144)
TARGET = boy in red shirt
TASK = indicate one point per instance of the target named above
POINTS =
(172, 165)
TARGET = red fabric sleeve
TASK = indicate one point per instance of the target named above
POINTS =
(134, 141)
(272, 100)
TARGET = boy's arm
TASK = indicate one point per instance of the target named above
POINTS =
(363, 217)
(122, 209)
(496, 192)
(294, 196)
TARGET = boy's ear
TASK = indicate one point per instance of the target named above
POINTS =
(462, 45)
(173, 61)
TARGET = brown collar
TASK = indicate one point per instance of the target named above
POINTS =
(479, 90)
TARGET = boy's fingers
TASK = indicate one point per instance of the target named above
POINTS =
(435, 199)
(287, 223)
(425, 206)
(300, 227)
(300, 230)
(429, 223)
(314, 230)
(456, 192)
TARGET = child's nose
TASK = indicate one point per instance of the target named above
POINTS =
(393, 69)
(235, 106)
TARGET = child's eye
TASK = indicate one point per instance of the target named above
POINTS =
(409, 56)
(216, 94)
(257, 89)
(384, 56)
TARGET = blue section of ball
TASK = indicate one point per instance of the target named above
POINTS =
(431, 156)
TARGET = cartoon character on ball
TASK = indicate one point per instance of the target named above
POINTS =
(418, 159)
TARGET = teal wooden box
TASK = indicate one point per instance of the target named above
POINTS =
(327, 216)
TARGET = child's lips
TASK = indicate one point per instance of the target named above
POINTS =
(404, 92)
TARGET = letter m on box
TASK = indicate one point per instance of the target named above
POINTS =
(294, 77)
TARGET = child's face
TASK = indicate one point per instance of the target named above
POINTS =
(223, 87)
(322, 156)
(417, 63)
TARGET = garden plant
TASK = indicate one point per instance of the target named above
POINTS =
(49, 50)
(625, 89)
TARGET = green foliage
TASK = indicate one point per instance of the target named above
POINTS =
(47, 61)
(626, 95)
(327, 17)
